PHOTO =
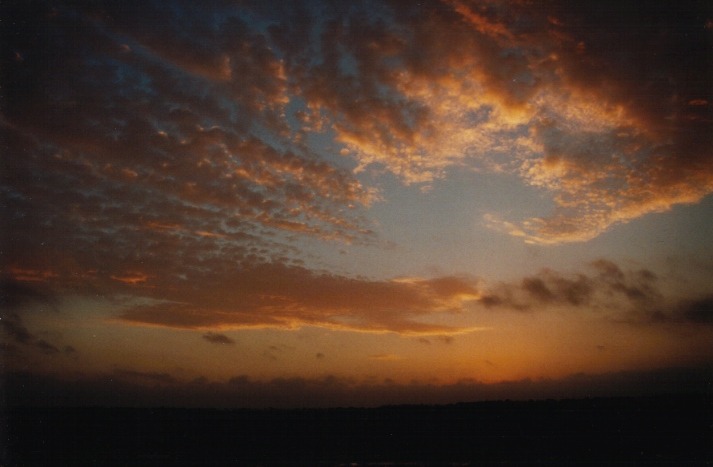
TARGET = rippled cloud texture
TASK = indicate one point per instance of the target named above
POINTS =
(174, 156)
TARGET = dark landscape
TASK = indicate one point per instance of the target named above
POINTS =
(660, 430)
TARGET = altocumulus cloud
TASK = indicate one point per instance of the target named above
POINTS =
(167, 153)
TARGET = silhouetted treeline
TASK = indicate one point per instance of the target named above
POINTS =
(658, 430)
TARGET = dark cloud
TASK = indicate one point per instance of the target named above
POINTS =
(13, 327)
(697, 311)
(15, 294)
(154, 157)
(639, 289)
(633, 296)
(537, 289)
(46, 347)
(441, 339)
(446, 339)
(217, 338)
(16, 297)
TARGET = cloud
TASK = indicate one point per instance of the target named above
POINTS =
(46, 347)
(600, 162)
(384, 357)
(215, 122)
(13, 327)
(634, 296)
(217, 338)
(169, 164)
(170, 155)
(442, 339)
(607, 287)
(699, 311)
(26, 288)
(519, 95)
(282, 296)
(16, 297)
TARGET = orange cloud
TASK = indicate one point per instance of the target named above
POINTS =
(205, 170)
(278, 296)
(31, 275)
(132, 278)
(545, 101)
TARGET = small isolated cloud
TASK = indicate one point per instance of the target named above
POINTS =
(441, 339)
(216, 338)
(46, 347)
(384, 357)
(13, 326)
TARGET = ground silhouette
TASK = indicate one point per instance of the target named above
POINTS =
(661, 430)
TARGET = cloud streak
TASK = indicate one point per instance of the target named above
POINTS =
(290, 297)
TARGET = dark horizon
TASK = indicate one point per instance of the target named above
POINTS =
(129, 389)
(657, 430)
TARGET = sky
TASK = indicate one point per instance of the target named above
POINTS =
(319, 203)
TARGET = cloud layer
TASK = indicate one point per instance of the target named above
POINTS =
(178, 155)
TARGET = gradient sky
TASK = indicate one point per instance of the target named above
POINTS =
(319, 202)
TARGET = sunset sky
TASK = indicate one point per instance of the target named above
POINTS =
(314, 202)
